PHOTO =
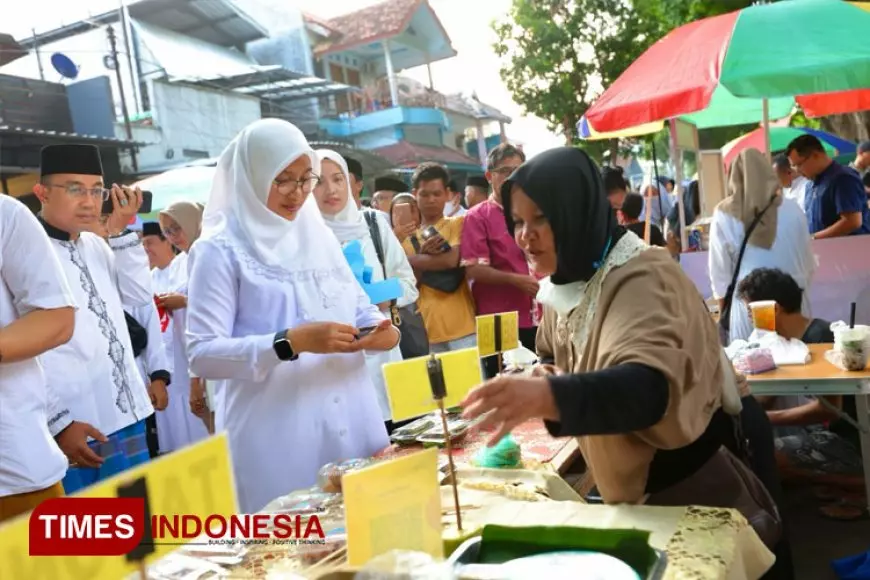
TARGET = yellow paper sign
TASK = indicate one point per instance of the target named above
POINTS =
(508, 323)
(395, 505)
(408, 386)
(197, 480)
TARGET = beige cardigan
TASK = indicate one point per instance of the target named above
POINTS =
(648, 312)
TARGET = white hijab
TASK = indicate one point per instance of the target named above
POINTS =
(348, 224)
(244, 175)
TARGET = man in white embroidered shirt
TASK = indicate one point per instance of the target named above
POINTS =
(95, 374)
(36, 315)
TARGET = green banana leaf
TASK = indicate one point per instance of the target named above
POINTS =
(500, 544)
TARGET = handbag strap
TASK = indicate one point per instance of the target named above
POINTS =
(725, 315)
(375, 232)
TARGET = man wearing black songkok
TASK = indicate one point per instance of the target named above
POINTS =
(95, 373)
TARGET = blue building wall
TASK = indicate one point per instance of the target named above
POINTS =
(378, 138)
(394, 117)
(491, 143)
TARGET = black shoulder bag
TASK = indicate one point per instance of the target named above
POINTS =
(409, 321)
(138, 335)
(725, 314)
(447, 281)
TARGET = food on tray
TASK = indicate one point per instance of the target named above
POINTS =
(314, 553)
(429, 430)
(510, 489)
(329, 476)
(414, 429)
(303, 503)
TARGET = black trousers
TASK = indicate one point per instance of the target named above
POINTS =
(527, 339)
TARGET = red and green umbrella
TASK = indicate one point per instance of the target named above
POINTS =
(812, 52)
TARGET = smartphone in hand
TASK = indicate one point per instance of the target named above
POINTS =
(365, 331)
(430, 233)
(109, 207)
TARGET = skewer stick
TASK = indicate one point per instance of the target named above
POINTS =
(500, 363)
(450, 463)
(143, 570)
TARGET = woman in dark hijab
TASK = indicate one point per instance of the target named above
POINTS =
(632, 362)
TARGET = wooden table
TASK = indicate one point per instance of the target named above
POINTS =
(819, 377)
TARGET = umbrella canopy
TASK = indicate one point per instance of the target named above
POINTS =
(182, 184)
(812, 52)
(780, 137)
(723, 110)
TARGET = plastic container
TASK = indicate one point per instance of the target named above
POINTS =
(329, 476)
(851, 347)
(763, 314)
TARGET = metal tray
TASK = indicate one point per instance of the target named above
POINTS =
(469, 551)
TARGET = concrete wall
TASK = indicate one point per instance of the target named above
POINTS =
(192, 118)
(289, 47)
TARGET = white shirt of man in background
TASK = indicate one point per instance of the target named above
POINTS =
(37, 314)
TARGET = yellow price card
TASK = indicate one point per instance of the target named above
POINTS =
(197, 480)
(410, 392)
(395, 505)
(497, 333)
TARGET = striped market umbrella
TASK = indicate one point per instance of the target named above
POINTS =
(780, 137)
(813, 53)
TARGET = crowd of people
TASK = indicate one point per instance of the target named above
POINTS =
(243, 316)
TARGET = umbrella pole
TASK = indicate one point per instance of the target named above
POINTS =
(765, 122)
(677, 156)
(648, 203)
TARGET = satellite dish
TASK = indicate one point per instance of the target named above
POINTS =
(63, 65)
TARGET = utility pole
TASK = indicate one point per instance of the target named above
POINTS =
(113, 47)
(38, 58)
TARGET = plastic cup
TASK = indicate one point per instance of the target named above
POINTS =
(853, 345)
(763, 314)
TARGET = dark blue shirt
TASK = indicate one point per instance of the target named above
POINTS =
(836, 190)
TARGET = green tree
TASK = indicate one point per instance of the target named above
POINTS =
(557, 55)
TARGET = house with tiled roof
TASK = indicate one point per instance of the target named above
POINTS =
(397, 117)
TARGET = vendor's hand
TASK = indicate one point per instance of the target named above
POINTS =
(126, 203)
(545, 370)
(172, 301)
(73, 441)
(510, 400)
(433, 245)
(324, 338)
(402, 231)
(158, 394)
(385, 306)
(527, 284)
(198, 404)
(378, 339)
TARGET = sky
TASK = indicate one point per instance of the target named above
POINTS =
(475, 68)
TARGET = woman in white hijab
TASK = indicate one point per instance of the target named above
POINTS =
(275, 314)
(348, 224)
(781, 239)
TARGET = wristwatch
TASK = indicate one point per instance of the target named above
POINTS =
(282, 347)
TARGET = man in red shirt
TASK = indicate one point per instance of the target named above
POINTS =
(496, 266)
